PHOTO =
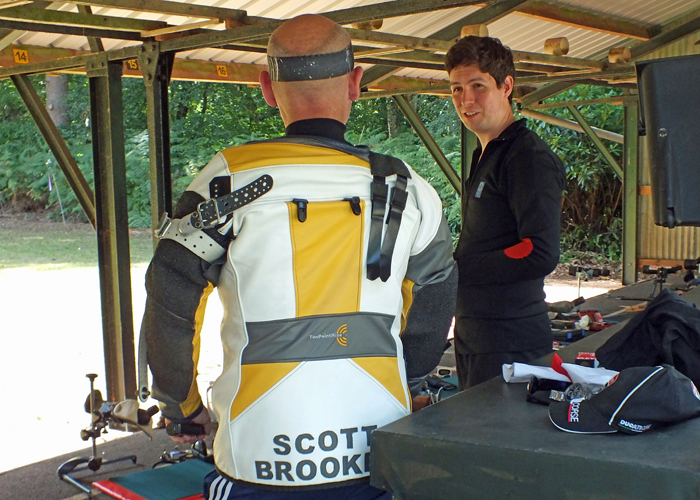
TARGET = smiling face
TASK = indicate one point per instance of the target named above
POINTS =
(482, 106)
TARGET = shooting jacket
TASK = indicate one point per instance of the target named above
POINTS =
(316, 355)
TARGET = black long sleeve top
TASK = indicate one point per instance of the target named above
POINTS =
(511, 209)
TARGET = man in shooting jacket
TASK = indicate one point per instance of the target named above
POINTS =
(334, 267)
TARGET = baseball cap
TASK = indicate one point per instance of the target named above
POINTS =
(636, 400)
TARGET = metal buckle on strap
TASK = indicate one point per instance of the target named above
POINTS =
(163, 225)
(212, 212)
(206, 215)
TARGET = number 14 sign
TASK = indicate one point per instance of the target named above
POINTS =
(21, 56)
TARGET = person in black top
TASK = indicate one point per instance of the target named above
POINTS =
(511, 206)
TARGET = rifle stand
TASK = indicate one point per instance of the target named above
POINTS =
(94, 463)
(660, 279)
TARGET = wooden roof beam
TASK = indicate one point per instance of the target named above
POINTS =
(412, 58)
(9, 37)
(168, 8)
(493, 11)
(545, 91)
(580, 18)
(70, 30)
(416, 52)
(395, 8)
(185, 69)
(4, 4)
(258, 28)
(254, 33)
(441, 89)
(94, 43)
(42, 17)
(619, 100)
(670, 33)
(619, 73)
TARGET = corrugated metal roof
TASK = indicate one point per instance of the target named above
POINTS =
(518, 31)
(646, 11)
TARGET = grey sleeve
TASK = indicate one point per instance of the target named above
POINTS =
(434, 295)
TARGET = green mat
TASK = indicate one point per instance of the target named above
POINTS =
(171, 482)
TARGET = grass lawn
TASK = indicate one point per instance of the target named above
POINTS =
(27, 241)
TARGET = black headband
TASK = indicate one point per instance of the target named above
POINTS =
(313, 67)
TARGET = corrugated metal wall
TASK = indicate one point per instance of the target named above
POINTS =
(655, 242)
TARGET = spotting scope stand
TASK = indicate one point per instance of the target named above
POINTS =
(101, 413)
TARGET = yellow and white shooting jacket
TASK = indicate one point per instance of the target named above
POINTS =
(313, 352)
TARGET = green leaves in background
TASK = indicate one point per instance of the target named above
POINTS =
(208, 117)
(592, 210)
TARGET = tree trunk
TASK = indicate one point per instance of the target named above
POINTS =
(393, 119)
(415, 101)
(56, 99)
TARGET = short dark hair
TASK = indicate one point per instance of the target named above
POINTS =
(489, 54)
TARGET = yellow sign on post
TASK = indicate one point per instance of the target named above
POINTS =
(222, 70)
(21, 56)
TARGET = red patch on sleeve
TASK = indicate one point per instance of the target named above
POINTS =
(519, 251)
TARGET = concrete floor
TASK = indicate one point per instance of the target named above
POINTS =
(51, 333)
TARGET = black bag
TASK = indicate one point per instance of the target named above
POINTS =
(667, 331)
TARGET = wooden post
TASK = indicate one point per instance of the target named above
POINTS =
(374, 24)
(231, 24)
(474, 30)
(556, 46)
(619, 55)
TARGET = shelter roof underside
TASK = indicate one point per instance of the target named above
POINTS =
(400, 43)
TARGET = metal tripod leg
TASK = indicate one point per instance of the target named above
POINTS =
(81, 463)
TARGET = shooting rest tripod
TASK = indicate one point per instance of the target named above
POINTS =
(102, 416)
(661, 275)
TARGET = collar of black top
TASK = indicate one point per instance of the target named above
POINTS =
(312, 67)
(636, 400)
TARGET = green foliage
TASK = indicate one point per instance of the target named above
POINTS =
(443, 124)
(208, 117)
(205, 118)
(592, 210)
(22, 145)
(367, 123)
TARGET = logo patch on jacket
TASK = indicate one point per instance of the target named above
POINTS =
(340, 335)
(479, 189)
(342, 338)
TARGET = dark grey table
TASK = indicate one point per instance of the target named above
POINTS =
(489, 443)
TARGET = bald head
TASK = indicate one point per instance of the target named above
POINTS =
(327, 96)
(307, 35)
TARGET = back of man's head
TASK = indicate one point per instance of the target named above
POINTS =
(307, 35)
(310, 62)
(487, 53)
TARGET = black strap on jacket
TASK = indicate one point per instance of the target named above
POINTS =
(380, 192)
(396, 206)
(379, 253)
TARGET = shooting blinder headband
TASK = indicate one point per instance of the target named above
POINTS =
(313, 67)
